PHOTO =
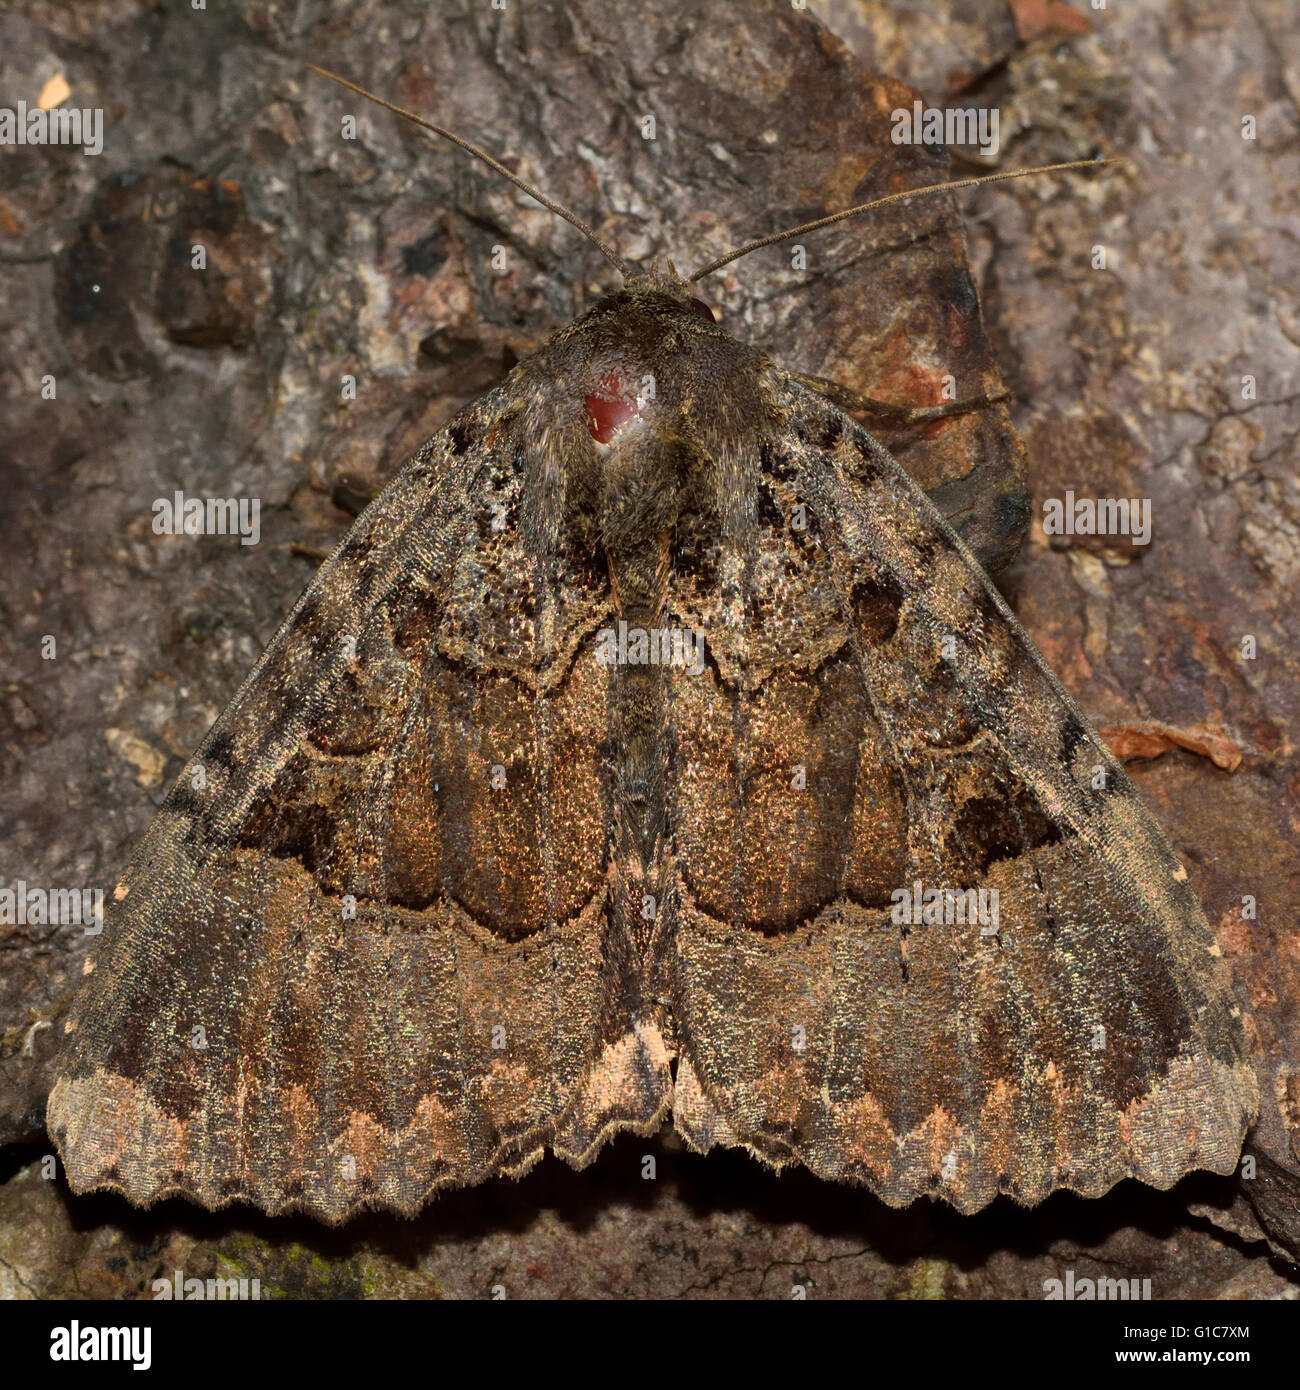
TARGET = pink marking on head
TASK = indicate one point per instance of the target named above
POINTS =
(611, 405)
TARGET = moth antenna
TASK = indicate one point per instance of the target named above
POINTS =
(557, 208)
(894, 198)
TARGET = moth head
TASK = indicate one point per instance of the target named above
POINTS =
(671, 284)
(645, 343)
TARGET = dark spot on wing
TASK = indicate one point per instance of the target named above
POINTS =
(458, 432)
(824, 431)
(283, 824)
(776, 463)
(876, 601)
(1117, 783)
(219, 750)
(184, 800)
(769, 512)
(869, 468)
(1004, 824)
(1073, 733)
(695, 555)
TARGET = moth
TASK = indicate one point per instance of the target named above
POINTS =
(651, 747)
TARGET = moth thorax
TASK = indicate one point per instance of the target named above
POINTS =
(620, 400)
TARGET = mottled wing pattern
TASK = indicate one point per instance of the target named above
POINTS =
(358, 955)
(873, 718)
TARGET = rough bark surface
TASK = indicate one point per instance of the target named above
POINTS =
(374, 257)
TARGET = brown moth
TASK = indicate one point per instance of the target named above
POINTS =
(650, 747)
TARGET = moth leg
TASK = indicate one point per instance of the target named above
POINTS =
(848, 399)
